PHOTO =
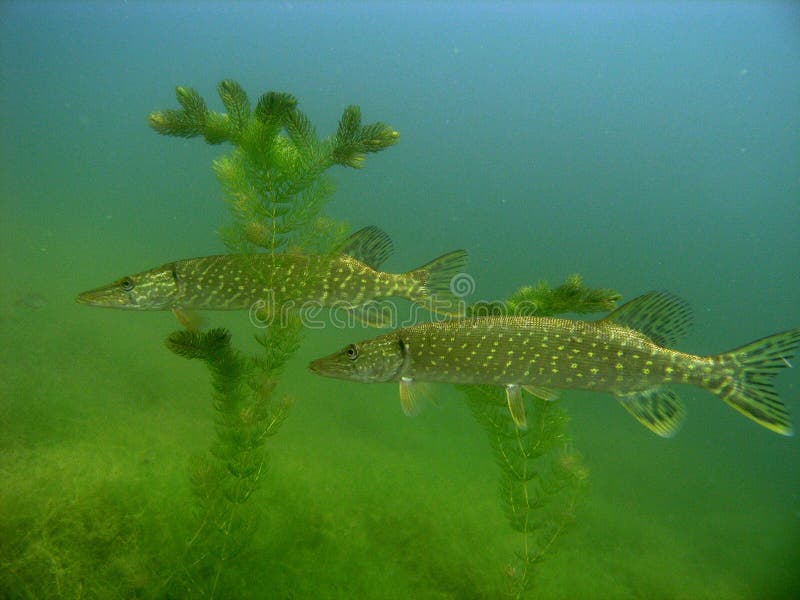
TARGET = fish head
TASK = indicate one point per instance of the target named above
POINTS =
(376, 360)
(156, 289)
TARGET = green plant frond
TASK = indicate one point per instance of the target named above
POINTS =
(349, 125)
(272, 108)
(236, 103)
(174, 123)
(274, 183)
(377, 137)
(218, 128)
(300, 131)
(570, 297)
(542, 479)
(193, 105)
(353, 141)
(197, 344)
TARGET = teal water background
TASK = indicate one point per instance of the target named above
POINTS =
(645, 146)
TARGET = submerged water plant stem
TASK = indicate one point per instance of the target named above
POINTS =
(274, 183)
(542, 477)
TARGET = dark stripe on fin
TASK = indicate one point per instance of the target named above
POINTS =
(437, 289)
(659, 410)
(750, 390)
(660, 315)
(370, 245)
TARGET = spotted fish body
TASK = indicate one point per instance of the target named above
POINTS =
(624, 354)
(238, 281)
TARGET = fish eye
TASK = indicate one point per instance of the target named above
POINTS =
(351, 352)
(126, 283)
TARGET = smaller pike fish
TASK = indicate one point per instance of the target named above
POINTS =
(349, 279)
(625, 354)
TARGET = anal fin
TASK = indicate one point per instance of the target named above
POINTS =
(374, 314)
(661, 411)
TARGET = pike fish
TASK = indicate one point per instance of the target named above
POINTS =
(626, 354)
(349, 279)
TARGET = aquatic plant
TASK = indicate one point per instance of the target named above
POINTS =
(542, 477)
(275, 186)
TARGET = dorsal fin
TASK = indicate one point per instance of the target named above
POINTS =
(371, 245)
(660, 315)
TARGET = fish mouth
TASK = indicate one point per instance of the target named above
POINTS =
(83, 298)
(315, 367)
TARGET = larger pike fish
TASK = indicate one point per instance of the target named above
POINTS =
(626, 354)
(348, 279)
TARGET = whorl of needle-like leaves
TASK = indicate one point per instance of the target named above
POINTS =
(236, 103)
(354, 141)
(199, 344)
(274, 179)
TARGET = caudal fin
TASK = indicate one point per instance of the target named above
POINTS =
(750, 389)
(441, 285)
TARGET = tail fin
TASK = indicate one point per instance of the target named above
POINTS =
(441, 285)
(750, 390)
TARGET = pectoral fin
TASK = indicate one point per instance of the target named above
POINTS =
(190, 320)
(516, 406)
(411, 395)
(660, 411)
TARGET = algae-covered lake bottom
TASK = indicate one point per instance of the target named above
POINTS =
(100, 421)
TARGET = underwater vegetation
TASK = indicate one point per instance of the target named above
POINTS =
(110, 534)
(543, 478)
(274, 184)
(275, 187)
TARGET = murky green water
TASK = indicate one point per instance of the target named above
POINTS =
(644, 147)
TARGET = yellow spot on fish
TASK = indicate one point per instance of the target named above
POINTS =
(594, 370)
(618, 366)
(573, 366)
(646, 371)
